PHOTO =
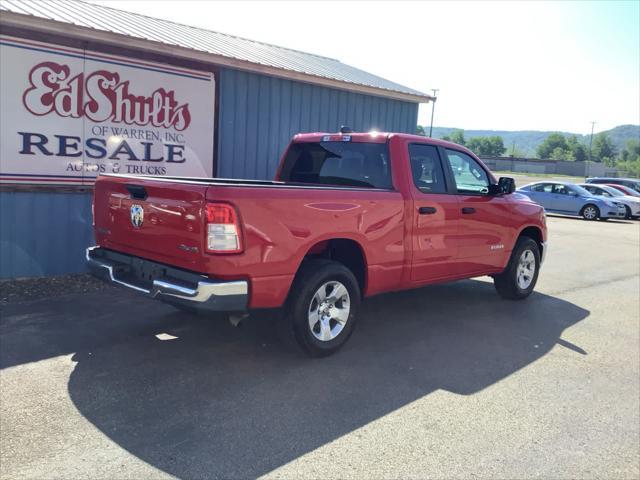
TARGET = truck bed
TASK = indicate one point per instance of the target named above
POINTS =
(280, 222)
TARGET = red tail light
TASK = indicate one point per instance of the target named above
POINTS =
(223, 229)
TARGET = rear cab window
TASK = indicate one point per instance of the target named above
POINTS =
(338, 163)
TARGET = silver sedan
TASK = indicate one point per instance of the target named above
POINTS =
(631, 204)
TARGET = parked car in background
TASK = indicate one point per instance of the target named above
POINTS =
(632, 183)
(631, 204)
(626, 190)
(570, 199)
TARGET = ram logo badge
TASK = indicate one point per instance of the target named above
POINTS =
(137, 215)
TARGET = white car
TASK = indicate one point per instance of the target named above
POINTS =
(631, 204)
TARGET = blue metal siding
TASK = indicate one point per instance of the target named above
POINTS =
(43, 233)
(258, 115)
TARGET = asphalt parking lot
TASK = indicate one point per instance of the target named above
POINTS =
(447, 381)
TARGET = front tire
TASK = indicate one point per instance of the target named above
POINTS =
(519, 278)
(590, 212)
(320, 313)
(627, 210)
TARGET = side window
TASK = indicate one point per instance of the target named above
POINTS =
(561, 189)
(469, 176)
(426, 168)
(542, 187)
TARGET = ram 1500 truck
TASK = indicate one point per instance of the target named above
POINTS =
(349, 215)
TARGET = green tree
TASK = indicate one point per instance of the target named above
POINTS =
(458, 137)
(632, 167)
(420, 130)
(603, 149)
(496, 146)
(559, 154)
(475, 145)
(577, 150)
(489, 146)
(631, 151)
(550, 144)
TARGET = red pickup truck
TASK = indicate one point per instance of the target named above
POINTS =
(349, 215)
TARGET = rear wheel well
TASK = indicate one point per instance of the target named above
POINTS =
(342, 250)
(535, 234)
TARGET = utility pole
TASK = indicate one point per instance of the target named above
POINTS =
(586, 170)
(433, 107)
(591, 139)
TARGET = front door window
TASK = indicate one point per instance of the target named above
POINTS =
(470, 177)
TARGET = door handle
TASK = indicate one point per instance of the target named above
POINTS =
(427, 210)
(468, 210)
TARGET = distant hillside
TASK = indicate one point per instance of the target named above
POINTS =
(620, 134)
(527, 141)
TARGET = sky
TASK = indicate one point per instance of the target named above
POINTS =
(497, 65)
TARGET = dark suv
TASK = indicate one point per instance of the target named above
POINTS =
(627, 182)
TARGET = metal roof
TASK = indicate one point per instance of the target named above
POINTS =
(81, 17)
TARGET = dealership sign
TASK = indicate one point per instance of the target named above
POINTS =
(68, 115)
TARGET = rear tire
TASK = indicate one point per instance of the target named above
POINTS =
(320, 313)
(519, 278)
(627, 210)
(590, 212)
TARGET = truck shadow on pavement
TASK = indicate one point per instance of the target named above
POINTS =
(217, 401)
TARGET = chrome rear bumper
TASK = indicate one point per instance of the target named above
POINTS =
(190, 289)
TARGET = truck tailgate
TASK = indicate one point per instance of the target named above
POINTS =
(155, 219)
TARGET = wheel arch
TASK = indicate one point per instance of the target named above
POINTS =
(347, 251)
(535, 233)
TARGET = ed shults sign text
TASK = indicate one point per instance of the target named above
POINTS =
(101, 97)
(102, 116)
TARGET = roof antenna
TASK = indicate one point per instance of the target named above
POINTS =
(345, 129)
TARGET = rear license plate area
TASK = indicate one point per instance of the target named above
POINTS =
(139, 272)
(145, 272)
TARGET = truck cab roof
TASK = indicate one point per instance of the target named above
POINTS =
(371, 137)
